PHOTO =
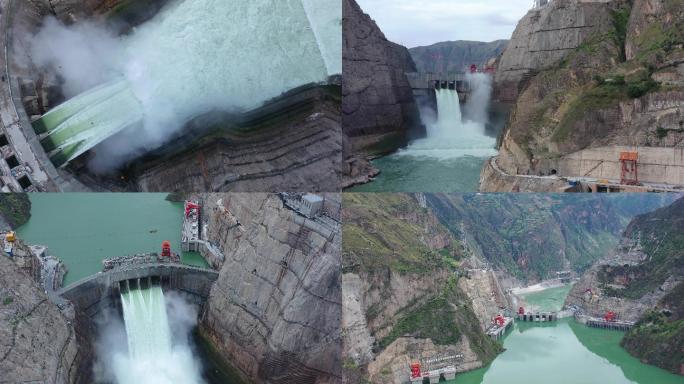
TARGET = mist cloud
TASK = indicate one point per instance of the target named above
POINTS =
(179, 365)
(192, 58)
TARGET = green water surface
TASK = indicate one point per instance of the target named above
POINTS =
(82, 229)
(564, 352)
(425, 174)
(551, 299)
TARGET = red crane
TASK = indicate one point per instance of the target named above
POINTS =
(499, 320)
(473, 68)
(521, 311)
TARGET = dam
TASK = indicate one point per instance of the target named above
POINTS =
(156, 79)
(450, 158)
(151, 95)
(101, 291)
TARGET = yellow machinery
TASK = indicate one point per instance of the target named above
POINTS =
(10, 237)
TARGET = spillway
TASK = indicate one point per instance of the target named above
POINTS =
(152, 356)
(195, 57)
(450, 136)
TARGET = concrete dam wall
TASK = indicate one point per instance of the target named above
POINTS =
(101, 291)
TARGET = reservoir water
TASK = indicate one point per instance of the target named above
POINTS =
(82, 229)
(564, 352)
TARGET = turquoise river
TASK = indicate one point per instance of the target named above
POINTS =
(564, 352)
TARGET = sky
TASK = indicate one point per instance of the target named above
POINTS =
(424, 22)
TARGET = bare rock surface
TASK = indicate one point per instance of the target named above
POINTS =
(37, 342)
(275, 309)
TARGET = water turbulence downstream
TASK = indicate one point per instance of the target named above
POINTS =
(152, 356)
(192, 58)
(454, 135)
(450, 158)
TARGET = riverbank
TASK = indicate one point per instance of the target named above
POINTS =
(564, 351)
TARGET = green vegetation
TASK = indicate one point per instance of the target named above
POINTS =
(7, 301)
(444, 319)
(658, 337)
(619, 34)
(662, 239)
(535, 235)
(15, 209)
(433, 320)
(605, 94)
(389, 230)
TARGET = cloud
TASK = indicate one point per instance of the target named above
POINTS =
(413, 23)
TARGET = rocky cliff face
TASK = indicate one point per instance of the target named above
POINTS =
(275, 309)
(291, 144)
(379, 113)
(456, 56)
(642, 269)
(585, 75)
(402, 299)
(643, 280)
(39, 343)
(533, 236)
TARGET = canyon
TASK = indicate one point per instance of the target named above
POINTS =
(589, 80)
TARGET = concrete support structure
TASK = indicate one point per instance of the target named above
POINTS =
(538, 316)
(101, 291)
(497, 331)
(190, 233)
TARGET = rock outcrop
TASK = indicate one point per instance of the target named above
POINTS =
(402, 298)
(39, 343)
(591, 79)
(545, 36)
(379, 113)
(644, 267)
(291, 144)
(275, 310)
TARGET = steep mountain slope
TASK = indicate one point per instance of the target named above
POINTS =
(455, 56)
(275, 309)
(379, 113)
(643, 279)
(402, 298)
(39, 343)
(533, 236)
(590, 79)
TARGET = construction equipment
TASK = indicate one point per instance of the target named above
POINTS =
(415, 370)
(10, 237)
(610, 316)
(628, 173)
(166, 248)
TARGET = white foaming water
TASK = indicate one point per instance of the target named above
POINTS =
(152, 357)
(199, 56)
(450, 136)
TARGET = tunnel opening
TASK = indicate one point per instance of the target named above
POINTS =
(25, 182)
(12, 161)
(3, 140)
